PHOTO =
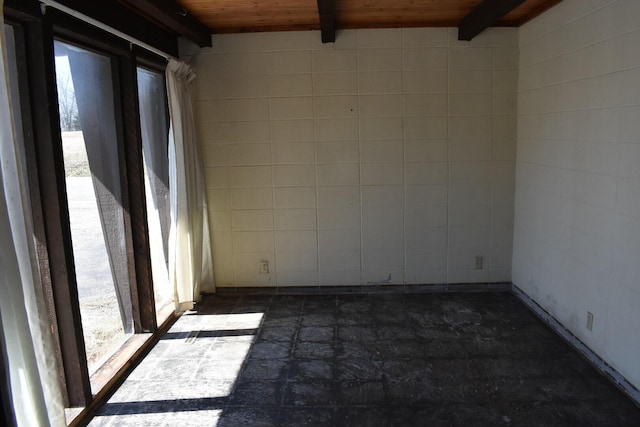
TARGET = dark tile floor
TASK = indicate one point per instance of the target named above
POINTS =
(463, 359)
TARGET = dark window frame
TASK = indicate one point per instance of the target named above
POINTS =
(45, 169)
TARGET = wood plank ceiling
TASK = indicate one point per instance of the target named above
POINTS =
(237, 16)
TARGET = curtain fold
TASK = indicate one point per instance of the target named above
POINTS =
(36, 394)
(190, 260)
(151, 97)
(93, 86)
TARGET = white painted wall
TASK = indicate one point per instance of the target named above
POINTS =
(387, 157)
(577, 218)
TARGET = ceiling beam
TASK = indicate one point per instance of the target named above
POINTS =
(485, 15)
(327, 12)
(170, 15)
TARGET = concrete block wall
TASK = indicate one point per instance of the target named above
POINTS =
(385, 158)
(577, 217)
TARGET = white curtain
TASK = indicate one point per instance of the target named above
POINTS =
(190, 261)
(36, 394)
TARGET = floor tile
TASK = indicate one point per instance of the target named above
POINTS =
(364, 360)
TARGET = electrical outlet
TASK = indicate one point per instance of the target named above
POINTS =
(264, 267)
(589, 320)
(479, 262)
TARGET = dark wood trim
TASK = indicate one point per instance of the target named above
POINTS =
(170, 15)
(22, 10)
(82, 32)
(45, 170)
(485, 15)
(140, 280)
(138, 230)
(149, 60)
(116, 15)
(103, 395)
(127, 287)
(327, 12)
(37, 213)
(106, 162)
(55, 246)
(79, 33)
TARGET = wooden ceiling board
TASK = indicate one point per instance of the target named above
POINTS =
(236, 16)
(224, 16)
(529, 10)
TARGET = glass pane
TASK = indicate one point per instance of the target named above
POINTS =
(153, 122)
(89, 139)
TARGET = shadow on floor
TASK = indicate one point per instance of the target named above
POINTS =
(462, 359)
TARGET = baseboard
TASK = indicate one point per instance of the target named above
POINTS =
(366, 289)
(600, 364)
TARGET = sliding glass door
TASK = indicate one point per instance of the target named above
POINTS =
(95, 121)
(94, 195)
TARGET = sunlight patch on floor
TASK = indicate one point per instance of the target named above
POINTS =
(189, 374)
